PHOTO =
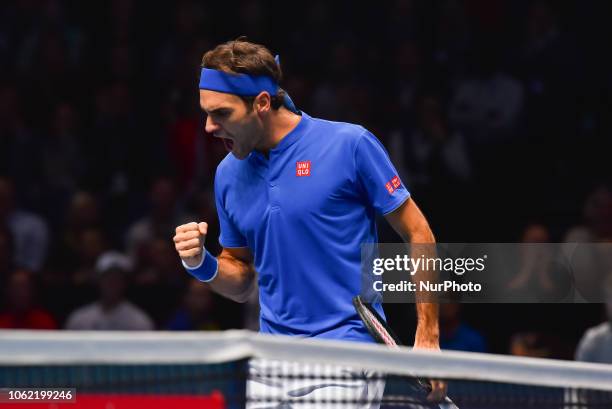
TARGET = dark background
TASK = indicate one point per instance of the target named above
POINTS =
(495, 112)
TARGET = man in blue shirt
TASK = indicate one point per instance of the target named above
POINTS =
(296, 198)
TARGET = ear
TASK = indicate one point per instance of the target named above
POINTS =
(263, 102)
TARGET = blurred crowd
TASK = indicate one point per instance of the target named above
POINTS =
(496, 113)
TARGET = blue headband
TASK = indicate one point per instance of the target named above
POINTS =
(238, 84)
(243, 84)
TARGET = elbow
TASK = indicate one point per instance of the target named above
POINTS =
(241, 298)
(244, 296)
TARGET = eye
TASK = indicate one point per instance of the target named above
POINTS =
(222, 113)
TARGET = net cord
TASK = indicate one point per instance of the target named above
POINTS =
(89, 347)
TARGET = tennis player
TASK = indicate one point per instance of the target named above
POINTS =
(296, 198)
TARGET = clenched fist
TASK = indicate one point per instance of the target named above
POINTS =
(189, 242)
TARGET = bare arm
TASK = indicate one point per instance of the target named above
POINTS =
(408, 221)
(411, 225)
(235, 275)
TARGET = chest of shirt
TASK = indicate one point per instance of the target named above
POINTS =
(299, 183)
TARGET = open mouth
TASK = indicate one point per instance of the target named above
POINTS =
(228, 143)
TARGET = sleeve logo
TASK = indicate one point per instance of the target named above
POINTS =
(396, 182)
(302, 168)
(393, 184)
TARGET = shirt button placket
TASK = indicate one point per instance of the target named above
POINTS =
(273, 190)
(273, 187)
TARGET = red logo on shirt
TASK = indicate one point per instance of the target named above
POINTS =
(302, 168)
(393, 184)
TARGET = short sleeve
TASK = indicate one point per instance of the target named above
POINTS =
(377, 175)
(230, 235)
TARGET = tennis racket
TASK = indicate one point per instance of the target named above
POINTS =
(383, 334)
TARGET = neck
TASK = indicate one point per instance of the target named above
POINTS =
(279, 124)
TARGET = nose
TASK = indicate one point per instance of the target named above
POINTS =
(211, 126)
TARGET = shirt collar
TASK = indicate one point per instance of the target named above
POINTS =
(292, 137)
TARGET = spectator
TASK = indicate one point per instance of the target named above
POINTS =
(436, 153)
(76, 248)
(457, 335)
(586, 245)
(197, 312)
(21, 311)
(597, 219)
(30, 232)
(63, 163)
(91, 245)
(535, 268)
(159, 222)
(112, 311)
(159, 285)
(83, 213)
(113, 149)
(532, 344)
(596, 343)
(487, 105)
(163, 267)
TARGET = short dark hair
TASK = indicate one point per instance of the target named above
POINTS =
(241, 56)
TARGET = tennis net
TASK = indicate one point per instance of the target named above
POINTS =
(237, 369)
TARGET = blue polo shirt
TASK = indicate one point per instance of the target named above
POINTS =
(304, 213)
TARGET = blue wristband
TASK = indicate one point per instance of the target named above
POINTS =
(207, 269)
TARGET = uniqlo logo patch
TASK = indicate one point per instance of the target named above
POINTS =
(393, 184)
(302, 168)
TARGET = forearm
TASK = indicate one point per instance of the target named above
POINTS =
(427, 332)
(235, 278)
(411, 225)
